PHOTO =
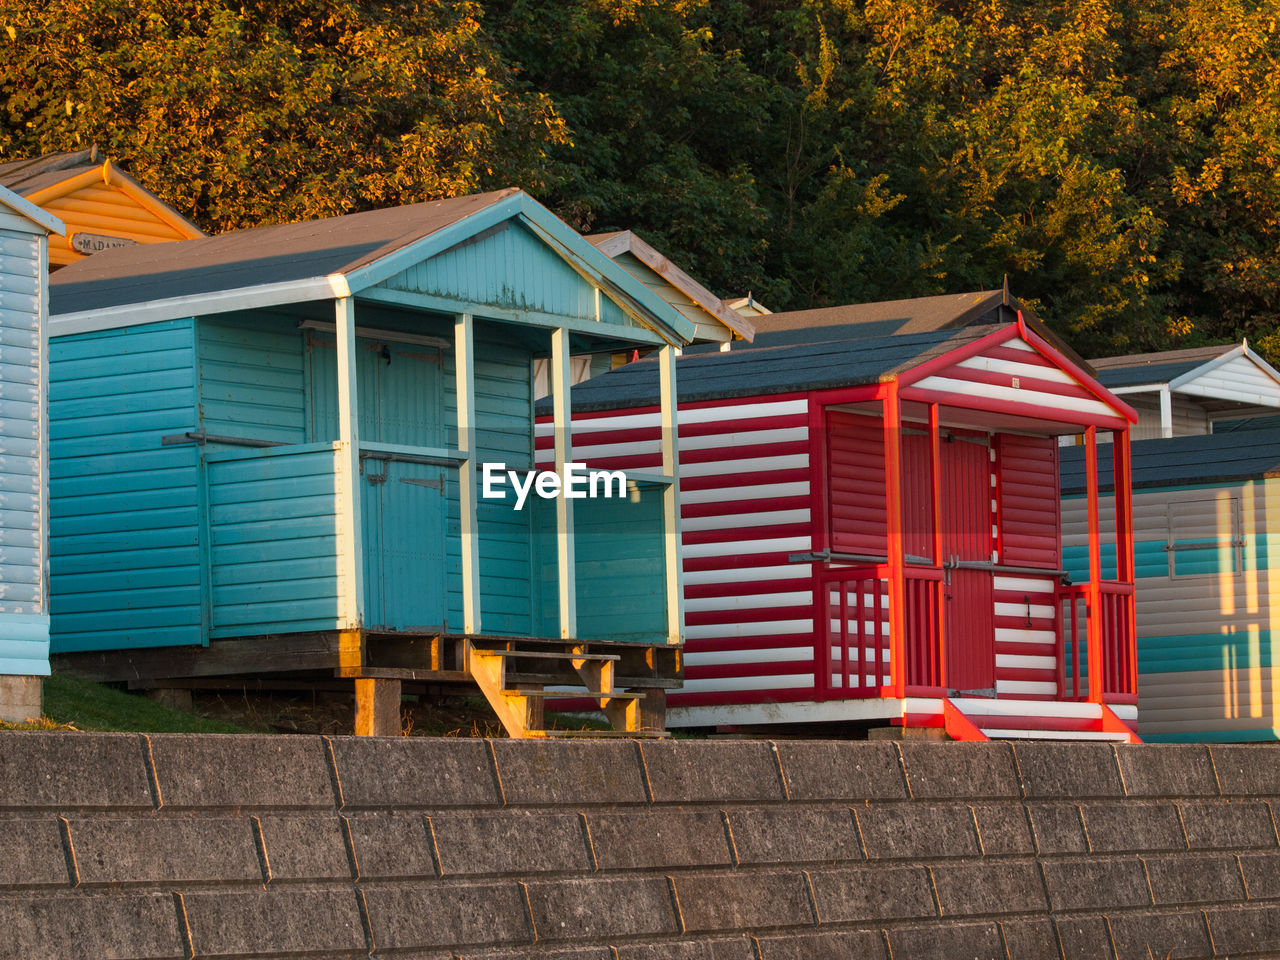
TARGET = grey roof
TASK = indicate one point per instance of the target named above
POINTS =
(861, 321)
(920, 315)
(1180, 461)
(1139, 368)
(27, 176)
(1247, 423)
(762, 371)
(245, 258)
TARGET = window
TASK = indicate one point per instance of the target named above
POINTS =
(1205, 537)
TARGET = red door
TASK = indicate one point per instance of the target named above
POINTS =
(966, 535)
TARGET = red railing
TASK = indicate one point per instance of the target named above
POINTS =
(1115, 646)
(1119, 646)
(862, 658)
(1073, 629)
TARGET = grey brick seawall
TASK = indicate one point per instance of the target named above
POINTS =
(128, 846)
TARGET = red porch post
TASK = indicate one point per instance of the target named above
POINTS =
(1125, 571)
(935, 479)
(895, 546)
(1094, 593)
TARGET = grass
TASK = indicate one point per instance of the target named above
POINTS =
(72, 704)
(78, 704)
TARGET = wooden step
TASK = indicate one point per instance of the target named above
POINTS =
(541, 655)
(574, 694)
(655, 683)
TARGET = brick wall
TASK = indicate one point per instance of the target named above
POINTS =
(211, 846)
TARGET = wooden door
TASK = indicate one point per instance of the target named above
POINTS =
(969, 615)
(403, 504)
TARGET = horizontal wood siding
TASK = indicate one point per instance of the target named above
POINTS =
(274, 527)
(1207, 615)
(24, 625)
(1028, 501)
(744, 505)
(1188, 416)
(251, 378)
(1020, 379)
(855, 484)
(124, 509)
(1239, 379)
(706, 327)
(105, 209)
(21, 536)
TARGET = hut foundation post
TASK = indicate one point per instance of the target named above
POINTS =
(377, 708)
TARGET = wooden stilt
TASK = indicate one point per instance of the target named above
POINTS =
(377, 708)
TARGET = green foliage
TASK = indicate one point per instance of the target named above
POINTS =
(1117, 161)
(272, 111)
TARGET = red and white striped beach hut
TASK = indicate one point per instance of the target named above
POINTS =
(870, 523)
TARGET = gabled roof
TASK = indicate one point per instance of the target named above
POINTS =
(897, 317)
(1155, 368)
(93, 196)
(766, 370)
(32, 174)
(1181, 461)
(27, 209)
(317, 260)
(614, 245)
(919, 315)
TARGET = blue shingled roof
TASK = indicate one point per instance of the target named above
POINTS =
(1181, 461)
(766, 370)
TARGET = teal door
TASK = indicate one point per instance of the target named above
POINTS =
(404, 562)
(403, 504)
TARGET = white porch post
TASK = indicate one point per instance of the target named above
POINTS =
(1166, 412)
(464, 373)
(351, 560)
(668, 403)
(558, 376)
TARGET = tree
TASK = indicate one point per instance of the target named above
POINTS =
(273, 111)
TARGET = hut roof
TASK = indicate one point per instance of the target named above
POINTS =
(315, 260)
(1182, 461)
(1162, 367)
(619, 242)
(767, 370)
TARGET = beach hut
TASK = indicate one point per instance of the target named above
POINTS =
(1180, 393)
(24, 614)
(1206, 524)
(870, 525)
(101, 205)
(267, 452)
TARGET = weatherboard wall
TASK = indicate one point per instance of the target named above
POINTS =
(1206, 609)
(125, 556)
(24, 623)
(706, 329)
(508, 267)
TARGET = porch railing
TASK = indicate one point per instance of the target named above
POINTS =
(1115, 646)
(862, 658)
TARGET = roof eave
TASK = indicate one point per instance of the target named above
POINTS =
(700, 295)
(199, 305)
(24, 207)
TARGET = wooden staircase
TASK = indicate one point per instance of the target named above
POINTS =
(515, 680)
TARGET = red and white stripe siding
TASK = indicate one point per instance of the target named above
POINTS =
(744, 479)
(1015, 374)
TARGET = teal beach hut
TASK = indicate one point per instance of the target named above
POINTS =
(24, 615)
(1206, 524)
(267, 455)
